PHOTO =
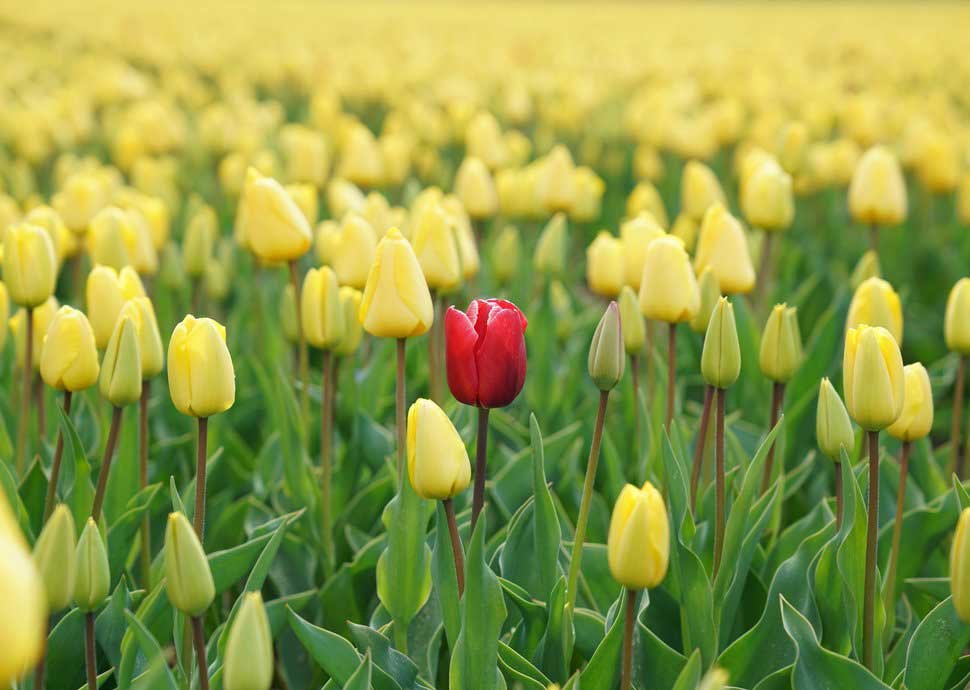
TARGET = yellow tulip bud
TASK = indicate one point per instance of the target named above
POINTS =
(833, 428)
(766, 197)
(29, 264)
(668, 291)
(397, 150)
(361, 161)
(606, 359)
(150, 347)
(105, 298)
(556, 184)
(956, 324)
(396, 301)
(43, 315)
(156, 214)
(867, 267)
(249, 648)
(645, 197)
(685, 229)
(188, 578)
(710, 293)
(436, 247)
(872, 374)
(289, 314)
(588, 202)
(715, 679)
(120, 378)
(916, 419)
(306, 155)
(636, 235)
(781, 344)
(464, 236)
(604, 265)
(55, 557)
(877, 194)
(22, 600)
(79, 199)
(111, 239)
(506, 254)
(938, 164)
(353, 251)
(201, 378)
(699, 190)
(476, 189)
(792, 144)
(960, 567)
(320, 312)
(350, 304)
(483, 140)
(273, 225)
(875, 303)
(142, 252)
(638, 543)
(93, 577)
(438, 465)
(723, 246)
(305, 197)
(634, 330)
(343, 196)
(69, 357)
(551, 249)
(61, 238)
(721, 356)
(647, 163)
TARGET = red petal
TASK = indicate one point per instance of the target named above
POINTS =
(501, 358)
(460, 342)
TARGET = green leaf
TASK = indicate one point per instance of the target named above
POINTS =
(150, 647)
(521, 669)
(122, 531)
(690, 676)
(397, 665)
(82, 491)
(445, 578)
(547, 534)
(360, 679)
(935, 648)
(602, 671)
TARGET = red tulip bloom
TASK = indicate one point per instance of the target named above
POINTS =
(485, 352)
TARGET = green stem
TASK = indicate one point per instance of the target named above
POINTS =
(90, 657)
(400, 402)
(481, 465)
(456, 549)
(698, 467)
(777, 397)
(869, 602)
(198, 637)
(720, 509)
(198, 517)
(304, 352)
(109, 452)
(631, 612)
(25, 394)
(146, 532)
(326, 460)
(838, 496)
(955, 435)
(897, 527)
(671, 373)
(51, 496)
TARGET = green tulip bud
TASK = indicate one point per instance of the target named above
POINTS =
(550, 254)
(633, 327)
(781, 345)
(710, 293)
(833, 428)
(721, 357)
(120, 379)
(505, 255)
(188, 579)
(93, 577)
(249, 648)
(55, 558)
(606, 356)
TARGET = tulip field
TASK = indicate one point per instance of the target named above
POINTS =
(484, 346)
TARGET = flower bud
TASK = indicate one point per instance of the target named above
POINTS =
(631, 320)
(69, 357)
(201, 378)
(438, 465)
(289, 314)
(710, 293)
(396, 302)
(636, 235)
(149, 339)
(43, 315)
(24, 632)
(556, 185)
(120, 378)
(306, 155)
(792, 143)
(960, 567)
(604, 265)
(93, 577)
(351, 250)
(79, 199)
(55, 557)
(721, 357)
(562, 309)
(188, 579)
(875, 303)
(506, 254)
(916, 419)
(172, 274)
(551, 249)
(781, 344)
(723, 246)
(868, 267)
(606, 355)
(588, 202)
(343, 196)
(833, 428)
(872, 374)
(29, 264)
(249, 648)
(766, 197)
(350, 304)
(273, 225)
(61, 238)
(645, 197)
(877, 194)
(668, 291)
(476, 189)
(956, 324)
(111, 239)
(436, 248)
(638, 543)
(715, 679)
(699, 189)
(320, 311)
(464, 236)
(107, 291)
(685, 229)
(198, 244)
(361, 161)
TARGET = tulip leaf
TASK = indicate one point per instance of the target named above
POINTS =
(546, 532)
(602, 671)
(690, 675)
(360, 679)
(397, 665)
(520, 668)
(33, 489)
(149, 647)
(445, 578)
(82, 491)
(65, 651)
(935, 648)
(122, 531)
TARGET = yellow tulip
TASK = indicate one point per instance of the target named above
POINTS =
(606, 360)
(699, 189)
(320, 311)
(956, 324)
(361, 161)
(645, 197)
(766, 197)
(140, 309)
(916, 419)
(875, 303)
(274, 226)
(142, 252)
(61, 238)
(506, 254)
(483, 140)
(721, 356)
(199, 241)
(29, 264)
(723, 246)
(960, 567)
(343, 196)
(668, 291)
(306, 155)
(79, 199)
(305, 197)
(111, 239)
(833, 428)
(201, 378)
(22, 600)
(556, 184)
(353, 332)
(476, 189)
(69, 357)
(352, 250)
(792, 144)
(436, 247)
(638, 542)
(872, 374)
(685, 229)
(55, 558)
(552, 246)
(588, 201)
(464, 236)
(120, 379)
(636, 235)
(877, 194)
(604, 265)
(634, 330)
(43, 315)
(396, 301)
(710, 293)
(938, 164)
(438, 465)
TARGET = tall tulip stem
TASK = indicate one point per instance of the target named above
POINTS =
(481, 465)
(400, 403)
(198, 637)
(90, 657)
(631, 612)
(109, 451)
(955, 432)
(720, 509)
(456, 549)
(201, 455)
(671, 373)
(777, 399)
(25, 394)
(635, 379)
(146, 532)
(326, 459)
(56, 464)
(695, 473)
(869, 602)
(576, 558)
(897, 526)
(434, 350)
(304, 352)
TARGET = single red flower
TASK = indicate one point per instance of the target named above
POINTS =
(485, 352)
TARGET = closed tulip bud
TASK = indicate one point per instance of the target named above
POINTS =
(938, 164)
(721, 357)
(875, 303)
(956, 324)
(29, 264)
(476, 189)
(120, 377)
(107, 291)
(43, 315)
(198, 244)
(274, 226)
(69, 357)
(710, 293)
(150, 347)
(916, 419)
(249, 648)
(55, 557)
(188, 579)
(606, 359)
(872, 373)
(61, 238)
(80, 198)
(306, 154)
(396, 301)
(464, 236)
(353, 331)
(636, 235)
(305, 197)
(792, 144)
(483, 139)
(634, 330)
(201, 378)
(361, 161)
(638, 543)
(556, 184)
(668, 291)
(289, 314)
(685, 229)
(156, 214)
(111, 239)
(877, 194)
(24, 632)
(320, 312)
(506, 255)
(438, 464)
(436, 247)
(833, 428)
(141, 248)
(781, 344)
(645, 197)
(604, 265)
(352, 250)
(588, 203)
(766, 197)
(172, 274)
(723, 246)
(93, 577)
(343, 196)
(699, 190)
(960, 567)
(868, 267)
(562, 309)
(550, 253)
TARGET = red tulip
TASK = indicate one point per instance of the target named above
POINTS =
(485, 352)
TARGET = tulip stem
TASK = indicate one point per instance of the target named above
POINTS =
(874, 239)
(719, 501)
(481, 463)
(198, 636)
(631, 612)
(25, 394)
(326, 460)
(838, 496)
(695, 474)
(765, 270)
(456, 549)
(434, 345)
(146, 532)
(56, 463)
(671, 373)
(576, 558)
(198, 516)
(400, 403)
(109, 451)
(90, 658)
(869, 603)
(955, 431)
(897, 526)
(304, 353)
(41, 410)
(777, 398)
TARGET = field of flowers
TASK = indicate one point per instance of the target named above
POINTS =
(501, 346)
